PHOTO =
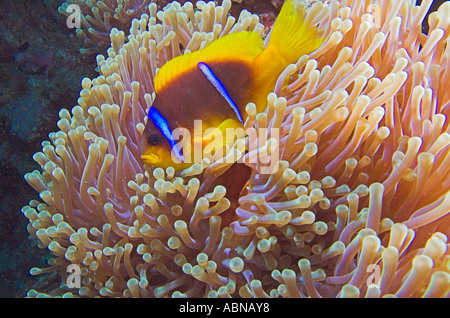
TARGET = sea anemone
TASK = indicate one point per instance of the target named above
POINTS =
(356, 205)
(97, 18)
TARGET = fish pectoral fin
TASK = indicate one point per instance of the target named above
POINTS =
(231, 130)
(212, 133)
(224, 135)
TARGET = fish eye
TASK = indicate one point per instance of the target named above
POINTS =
(153, 139)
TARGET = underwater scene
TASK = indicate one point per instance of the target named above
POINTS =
(225, 149)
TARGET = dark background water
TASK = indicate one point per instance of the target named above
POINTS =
(41, 69)
(40, 73)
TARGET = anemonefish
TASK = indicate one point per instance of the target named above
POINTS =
(216, 83)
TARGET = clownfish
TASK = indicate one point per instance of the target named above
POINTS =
(216, 83)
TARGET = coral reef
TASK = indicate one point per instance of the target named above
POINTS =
(362, 180)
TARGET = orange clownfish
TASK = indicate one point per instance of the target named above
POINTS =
(215, 84)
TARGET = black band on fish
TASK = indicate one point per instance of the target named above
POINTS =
(219, 86)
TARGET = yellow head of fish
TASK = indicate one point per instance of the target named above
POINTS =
(156, 150)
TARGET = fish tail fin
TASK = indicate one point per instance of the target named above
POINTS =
(291, 35)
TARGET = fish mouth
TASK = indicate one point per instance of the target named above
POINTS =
(151, 158)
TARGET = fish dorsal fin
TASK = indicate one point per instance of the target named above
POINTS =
(238, 46)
